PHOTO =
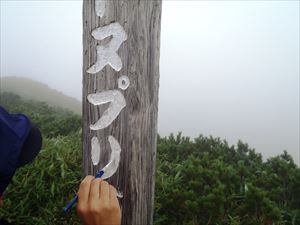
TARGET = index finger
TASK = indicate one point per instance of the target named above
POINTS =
(95, 189)
(84, 189)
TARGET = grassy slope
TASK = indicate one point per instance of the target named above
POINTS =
(30, 89)
(40, 190)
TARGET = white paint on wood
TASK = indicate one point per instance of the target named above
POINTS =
(95, 153)
(117, 103)
(107, 54)
(123, 82)
(136, 129)
(119, 194)
(114, 157)
(100, 7)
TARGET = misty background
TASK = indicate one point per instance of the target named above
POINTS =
(228, 68)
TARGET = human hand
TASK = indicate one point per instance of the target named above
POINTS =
(98, 203)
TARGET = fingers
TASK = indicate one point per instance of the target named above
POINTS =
(97, 202)
(95, 187)
(83, 198)
(104, 194)
(84, 189)
(114, 202)
(112, 192)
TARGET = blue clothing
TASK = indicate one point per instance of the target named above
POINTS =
(14, 129)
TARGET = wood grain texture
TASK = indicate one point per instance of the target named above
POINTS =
(136, 126)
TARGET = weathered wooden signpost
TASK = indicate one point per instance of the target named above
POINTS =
(121, 42)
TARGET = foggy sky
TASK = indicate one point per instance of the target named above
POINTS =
(228, 69)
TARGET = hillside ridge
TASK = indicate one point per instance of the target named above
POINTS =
(35, 90)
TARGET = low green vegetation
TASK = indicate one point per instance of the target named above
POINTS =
(206, 181)
(198, 182)
(40, 190)
(53, 121)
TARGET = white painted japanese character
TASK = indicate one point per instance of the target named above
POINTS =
(107, 54)
(117, 103)
(114, 156)
(95, 153)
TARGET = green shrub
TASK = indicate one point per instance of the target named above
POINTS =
(52, 121)
(198, 182)
(40, 190)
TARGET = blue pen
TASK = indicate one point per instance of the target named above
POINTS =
(75, 199)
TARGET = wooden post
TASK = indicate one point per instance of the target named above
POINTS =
(131, 28)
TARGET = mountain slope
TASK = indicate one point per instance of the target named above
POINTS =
(30, 89)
